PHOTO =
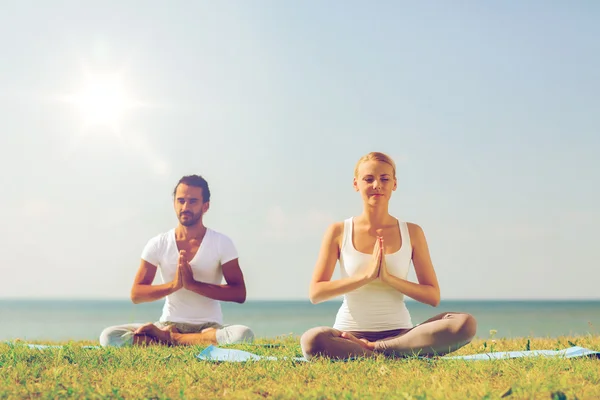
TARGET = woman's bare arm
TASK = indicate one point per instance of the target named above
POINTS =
(427, 290)
(321, 286)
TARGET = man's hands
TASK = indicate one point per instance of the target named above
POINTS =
(185, 269)
(184, 276)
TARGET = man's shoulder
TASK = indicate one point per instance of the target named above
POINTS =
(161, 238)
(219, 236)
(223, 246)
(156, 247)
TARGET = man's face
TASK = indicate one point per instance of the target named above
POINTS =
(189, 204)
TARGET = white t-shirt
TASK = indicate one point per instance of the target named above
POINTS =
(184, 305)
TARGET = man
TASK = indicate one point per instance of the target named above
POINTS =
(193, 260)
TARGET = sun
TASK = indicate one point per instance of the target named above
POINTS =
(102, 100)
(104, 103)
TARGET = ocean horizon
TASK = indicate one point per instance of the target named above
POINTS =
(84, 319)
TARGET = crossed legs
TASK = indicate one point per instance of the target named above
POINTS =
(169, 335)
(174, 334)
(439, 335)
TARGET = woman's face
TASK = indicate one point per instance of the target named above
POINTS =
(375, 181)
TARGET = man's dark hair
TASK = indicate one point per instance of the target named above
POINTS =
(196, 181)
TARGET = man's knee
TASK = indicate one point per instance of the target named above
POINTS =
(312, 342)
(243, 334)
(116, 336)
(235, 334)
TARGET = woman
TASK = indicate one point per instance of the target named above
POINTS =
(375, 251)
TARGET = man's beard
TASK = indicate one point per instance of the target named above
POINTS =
(192, 219)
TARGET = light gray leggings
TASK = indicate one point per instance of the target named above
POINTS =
(122, 335)
(439, 335)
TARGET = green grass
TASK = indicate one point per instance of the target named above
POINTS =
(172, 373)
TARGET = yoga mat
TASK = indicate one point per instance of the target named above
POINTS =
(213, 353)
(46, 346)
(58, 346)
(571, 352)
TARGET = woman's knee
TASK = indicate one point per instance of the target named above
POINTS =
(467, 326)
(462, 325)
(313, 340)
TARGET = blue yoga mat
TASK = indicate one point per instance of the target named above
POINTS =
(571, 352)
(47, 346)
(213, 353)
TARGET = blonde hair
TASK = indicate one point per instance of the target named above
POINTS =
(375, 156)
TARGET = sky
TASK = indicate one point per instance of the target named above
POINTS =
(490, 110)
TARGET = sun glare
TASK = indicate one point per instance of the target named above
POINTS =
(102, 100)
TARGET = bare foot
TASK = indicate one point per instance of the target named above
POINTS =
(144, 329)
(163, 336)
(174, 334)
(363, 342)
(170, 328)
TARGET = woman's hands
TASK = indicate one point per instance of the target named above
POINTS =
(378, 267)
(373, 270)
(384, 273)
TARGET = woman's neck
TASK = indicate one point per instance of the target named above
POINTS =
(375, 216)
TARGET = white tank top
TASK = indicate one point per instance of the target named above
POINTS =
(375, 306)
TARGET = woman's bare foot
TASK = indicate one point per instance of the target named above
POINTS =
(363, 342)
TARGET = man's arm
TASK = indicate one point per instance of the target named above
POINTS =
(143, 291)
(234, 290)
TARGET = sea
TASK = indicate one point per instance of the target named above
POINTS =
(64, 320)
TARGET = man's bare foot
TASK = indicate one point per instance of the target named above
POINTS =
(171, 328)
(163, 336)
(363, 342)
(174, 334)
(207, 336)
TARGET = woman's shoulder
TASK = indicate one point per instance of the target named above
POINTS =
(335, 234)
(415, 231)
(335, 229)
(412, 225)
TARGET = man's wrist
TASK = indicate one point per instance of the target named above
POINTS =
(192, 283)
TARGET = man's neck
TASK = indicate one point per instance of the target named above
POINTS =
(190, 232)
